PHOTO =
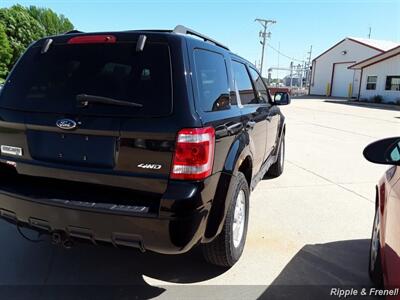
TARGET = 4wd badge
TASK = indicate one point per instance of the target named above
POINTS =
(149, 166)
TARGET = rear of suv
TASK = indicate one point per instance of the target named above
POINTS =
(148, 139)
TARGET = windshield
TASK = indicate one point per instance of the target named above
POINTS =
(50, 82)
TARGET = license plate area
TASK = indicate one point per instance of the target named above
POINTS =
(73, 149)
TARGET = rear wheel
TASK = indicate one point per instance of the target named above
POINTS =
(277, 168)
(226, 249)
(375, 266)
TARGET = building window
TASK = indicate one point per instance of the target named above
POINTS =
(392, 83)
(371, 82)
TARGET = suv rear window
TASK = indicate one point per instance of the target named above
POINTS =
(50, 82)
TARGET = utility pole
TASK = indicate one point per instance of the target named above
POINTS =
(300, 71)
(263, 35)
(291, 74)
(277, 70)
(308, 78)
(309, 56)
(369, 33)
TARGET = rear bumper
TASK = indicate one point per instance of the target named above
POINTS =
(179, 225)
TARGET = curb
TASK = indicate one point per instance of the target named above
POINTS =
(366, 104)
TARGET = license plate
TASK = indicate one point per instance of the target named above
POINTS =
(11, 150)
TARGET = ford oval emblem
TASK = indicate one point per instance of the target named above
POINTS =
(66, 124)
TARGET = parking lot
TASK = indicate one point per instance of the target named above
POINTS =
(308, 227)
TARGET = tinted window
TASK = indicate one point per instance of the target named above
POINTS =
(392, 83)
(50, 82)
(212, 80)
(243, 83)
(260, 86)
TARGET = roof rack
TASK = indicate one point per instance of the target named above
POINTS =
(180, 29)
(184, 30)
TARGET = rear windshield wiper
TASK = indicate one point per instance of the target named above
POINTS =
(84, 100)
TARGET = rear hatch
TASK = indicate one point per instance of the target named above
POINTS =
(92, 109)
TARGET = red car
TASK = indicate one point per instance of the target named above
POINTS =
(384, 263)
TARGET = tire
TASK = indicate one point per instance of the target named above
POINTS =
(276, 169)
(375, 262)
(225, 250)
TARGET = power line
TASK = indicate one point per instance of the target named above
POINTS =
(287, 56)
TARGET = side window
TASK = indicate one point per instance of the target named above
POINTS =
(371, 82)
(212, 80)
(243, 83)
(260, 86)
(392, 83)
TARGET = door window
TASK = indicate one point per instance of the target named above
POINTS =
(261, 88)
(243, 84)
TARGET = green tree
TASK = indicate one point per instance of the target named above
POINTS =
(52, 23)
(23, 26)
(21, 29)
(5, 53)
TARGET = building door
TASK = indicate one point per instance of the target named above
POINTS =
(342, 78)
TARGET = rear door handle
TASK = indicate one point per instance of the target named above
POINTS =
(250, 124)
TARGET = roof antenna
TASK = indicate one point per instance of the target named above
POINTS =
(141, 42)
(46, 46)
(369, 34)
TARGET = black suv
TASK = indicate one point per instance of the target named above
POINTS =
(151, 139)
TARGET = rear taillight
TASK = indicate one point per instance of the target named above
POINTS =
(194, 154)
(93, 39)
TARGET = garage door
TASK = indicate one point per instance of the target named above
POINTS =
(342, 77)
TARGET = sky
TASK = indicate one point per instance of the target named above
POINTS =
(299, 24)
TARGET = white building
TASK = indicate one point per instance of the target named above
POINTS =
(380, 76)
(330, 74)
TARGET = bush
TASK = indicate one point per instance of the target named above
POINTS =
(377, 99)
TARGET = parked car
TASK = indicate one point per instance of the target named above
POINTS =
(274, 90)
(150, 139)
(384, 263)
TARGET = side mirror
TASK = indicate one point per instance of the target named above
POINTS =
(282, 98)
(386, 151)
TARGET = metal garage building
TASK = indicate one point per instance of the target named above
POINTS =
(380, 76)
(330, 73)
